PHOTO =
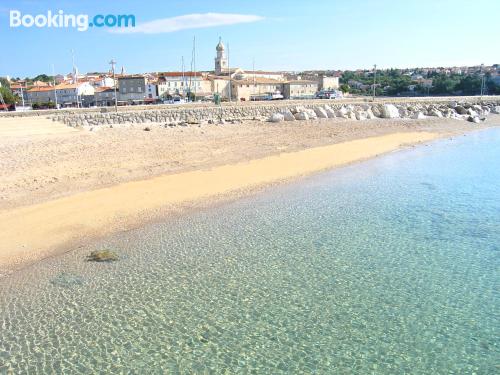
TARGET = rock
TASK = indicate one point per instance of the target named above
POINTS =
(496, 109)
(192, 120)
(298, 109)
(376, 111)
(276, 117)
(342, 112)
(435, 113)
(472, 113)
(320, 112)
(418, 115)
(301, 116)
(389, 111)
(369, 114)
(403, 112)
(474, 119)
(312, 115)
(147, 129)
(329, 111)
(104, 255)
(360, 115)
(288, 116)
(461, 110)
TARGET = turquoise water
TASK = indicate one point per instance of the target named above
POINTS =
(386, 267)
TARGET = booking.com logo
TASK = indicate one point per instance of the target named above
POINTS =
(79, 21)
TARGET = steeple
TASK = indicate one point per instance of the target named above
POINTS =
(220, 46)
(221, 59)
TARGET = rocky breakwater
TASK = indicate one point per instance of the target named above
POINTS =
(169, 117)
(281, 111)
(461, 111)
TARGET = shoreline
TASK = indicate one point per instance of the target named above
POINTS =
(67, 223)
(55, 225)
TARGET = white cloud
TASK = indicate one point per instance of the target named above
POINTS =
(188, 21)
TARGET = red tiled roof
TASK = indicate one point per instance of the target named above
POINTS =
(104, 88)
(40, 89)
(180, 74)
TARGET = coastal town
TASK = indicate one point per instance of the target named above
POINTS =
(227, 83)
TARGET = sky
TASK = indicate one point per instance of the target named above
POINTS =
(272, 34)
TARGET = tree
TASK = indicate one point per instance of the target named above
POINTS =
(43, 78)
(443, 84)
(492, 87)
(7, 95)
(4, 82)
(470, 85)
(345, 88)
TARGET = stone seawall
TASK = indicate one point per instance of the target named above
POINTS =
(196, 113)
(284, 111)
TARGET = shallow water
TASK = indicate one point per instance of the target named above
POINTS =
(386, 267)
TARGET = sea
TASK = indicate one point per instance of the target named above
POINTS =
(389, 266)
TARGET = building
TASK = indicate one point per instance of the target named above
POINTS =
(300, 89)
(255, 89)
(103, 81)
(151, 92)
(132, 89)
(19, 90)
(104, 96)
(220, 86)
(328, 83)
(40, 95)
(242, 84)
(250, 74)
(171, 84)
(40, 84)
(78, 94)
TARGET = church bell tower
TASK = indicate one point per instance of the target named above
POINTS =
(221, 59)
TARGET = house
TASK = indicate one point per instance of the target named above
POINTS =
(151, 92)
(40, 95)
(40, 84)
(19, 90)
(328, 83)
(255, 89)
(220, 86)
(59, 78)
(132, 89)
(300, 89)
(251, 74)
(355, 84)
(103, 81)
(183, 83)
(80, 94)
(104, 96)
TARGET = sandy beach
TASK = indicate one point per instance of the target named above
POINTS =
(62, 187)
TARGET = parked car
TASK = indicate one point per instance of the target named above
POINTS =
(328, 94)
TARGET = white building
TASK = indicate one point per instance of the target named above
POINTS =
(71, 94)
(328, 83)
(104, 82)
(172, 84)
(151, 92)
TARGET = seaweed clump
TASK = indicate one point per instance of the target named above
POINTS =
(104, 255)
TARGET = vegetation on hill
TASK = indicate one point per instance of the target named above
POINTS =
(393, 82)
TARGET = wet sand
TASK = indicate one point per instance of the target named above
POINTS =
(60, 190)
